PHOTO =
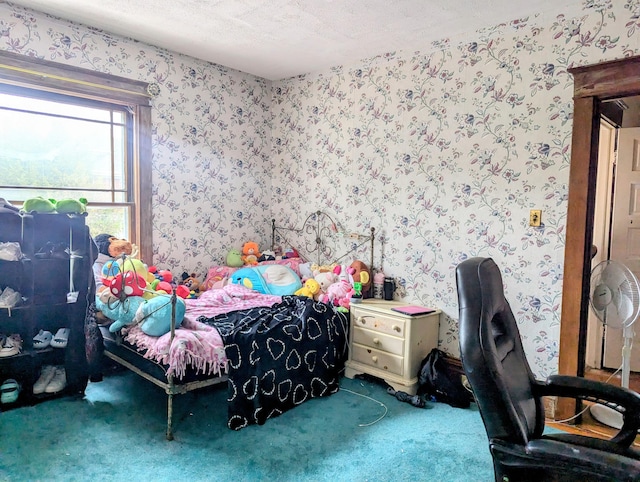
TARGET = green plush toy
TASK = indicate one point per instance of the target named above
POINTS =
(39, 205)
(234, 259)
(64, 206)
(71, 206)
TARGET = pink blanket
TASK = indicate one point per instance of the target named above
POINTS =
(195, 344)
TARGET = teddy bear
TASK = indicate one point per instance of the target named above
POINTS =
(192, 283)
(250, 253)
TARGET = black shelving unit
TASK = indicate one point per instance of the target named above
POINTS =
(54, 290)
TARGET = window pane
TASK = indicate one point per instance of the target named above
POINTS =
(119, 157)
(111, 220)
(38, 150)
(56, 108)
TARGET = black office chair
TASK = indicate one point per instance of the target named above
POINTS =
(510, 398)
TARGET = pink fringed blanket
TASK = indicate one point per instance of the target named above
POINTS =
(195, 344)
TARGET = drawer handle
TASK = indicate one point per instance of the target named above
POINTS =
(361, 320)
(375, 359)
(376, 341)
(396, 328)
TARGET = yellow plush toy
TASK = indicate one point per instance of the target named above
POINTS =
(310, 289)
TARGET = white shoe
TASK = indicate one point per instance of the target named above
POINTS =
(58, 382)
(9, 298)
(12, 346)
(42, 339)
(46, 375)
(61, 338)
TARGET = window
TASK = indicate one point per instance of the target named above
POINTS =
(77, 135)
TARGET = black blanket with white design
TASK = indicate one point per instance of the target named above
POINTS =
(280, 356)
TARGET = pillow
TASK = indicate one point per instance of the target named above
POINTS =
(272, 279)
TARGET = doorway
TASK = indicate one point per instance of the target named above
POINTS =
(592, 85)
(616, 227)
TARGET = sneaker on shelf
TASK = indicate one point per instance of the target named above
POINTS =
(42, 339)
(58, 382)
(10, 251)
(61, 338)
(46, 375)
(9, 298)
(12, 346)
(9, 391)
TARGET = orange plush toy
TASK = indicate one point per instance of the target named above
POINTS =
(250, 253)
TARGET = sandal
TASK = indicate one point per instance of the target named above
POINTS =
(9, 391)
(12, 346)
(61, 338)
(42, 339)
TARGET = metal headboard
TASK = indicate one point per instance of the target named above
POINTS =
(317, 229)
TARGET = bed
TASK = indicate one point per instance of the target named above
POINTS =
(273, 351)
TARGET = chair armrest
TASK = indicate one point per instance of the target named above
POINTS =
(623, 400)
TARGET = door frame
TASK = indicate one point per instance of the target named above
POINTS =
(592, 84)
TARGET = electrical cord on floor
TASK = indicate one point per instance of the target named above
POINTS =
(373, 400)
(547, 420)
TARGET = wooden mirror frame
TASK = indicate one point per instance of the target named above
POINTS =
(592, 84)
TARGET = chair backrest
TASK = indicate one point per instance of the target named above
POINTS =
(493, 357)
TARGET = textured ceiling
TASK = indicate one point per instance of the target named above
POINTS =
(277, 39)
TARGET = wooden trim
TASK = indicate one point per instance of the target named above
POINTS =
(55, 77)
(607, 80)
(593, 83)
(144, 214)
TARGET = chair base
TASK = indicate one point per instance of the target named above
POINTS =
(606, 415)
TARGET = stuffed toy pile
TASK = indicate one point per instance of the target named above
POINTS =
(65, 206)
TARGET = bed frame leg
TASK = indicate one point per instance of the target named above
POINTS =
(170, 417)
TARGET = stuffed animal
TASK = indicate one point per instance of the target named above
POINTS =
(250, 253)
(325, 279)
(154, 315)
(361, 274)
(193, 284)
(310, 288)
(39, 205)
(72, 206)
(128, 283)
(118, 247)
(338, 294)
(64, 206)
(269, 279)
(267, 256)
(234, 259)
(121, 312)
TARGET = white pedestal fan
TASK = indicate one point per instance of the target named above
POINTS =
(615, 299)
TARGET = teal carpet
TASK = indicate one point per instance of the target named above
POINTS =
(117, 433)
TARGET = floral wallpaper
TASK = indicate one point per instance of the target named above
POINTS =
(444, 150)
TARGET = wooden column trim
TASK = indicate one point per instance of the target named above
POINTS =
(578, 244)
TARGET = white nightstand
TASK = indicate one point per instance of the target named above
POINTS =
(389, 345)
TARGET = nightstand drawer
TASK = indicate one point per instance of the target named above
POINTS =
(380, 323)
(379, 341)
(377, 359)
